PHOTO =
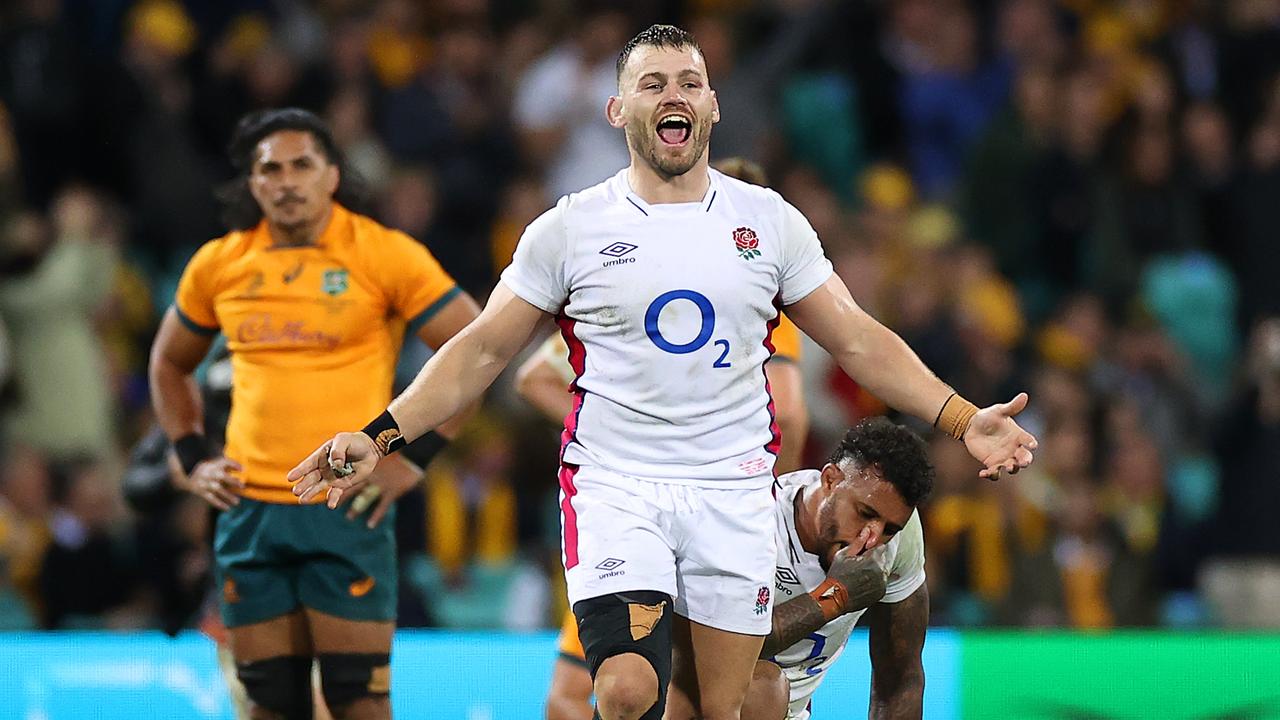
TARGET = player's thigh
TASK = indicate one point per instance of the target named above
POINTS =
(332, 634)
(255, 577)
(617, 534)
(283, 636)
(724, 574)
(354, 658)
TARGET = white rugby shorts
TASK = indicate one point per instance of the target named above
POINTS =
(710, 549)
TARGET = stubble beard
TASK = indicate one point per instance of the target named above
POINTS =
(644, 143)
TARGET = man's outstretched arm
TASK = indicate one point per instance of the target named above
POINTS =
(897, 671)
(451, 380)
(884, 364)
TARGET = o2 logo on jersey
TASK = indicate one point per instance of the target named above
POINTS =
(707, 328)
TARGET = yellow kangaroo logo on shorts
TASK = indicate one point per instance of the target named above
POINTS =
(229, 592)
(360, 588)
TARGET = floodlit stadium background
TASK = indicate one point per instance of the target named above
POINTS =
(1077, 198)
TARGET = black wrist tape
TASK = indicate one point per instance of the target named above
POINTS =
(421, 451)
(191, 449)
(385, 433)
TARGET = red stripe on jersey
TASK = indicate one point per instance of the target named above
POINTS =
(577, 361)
(567, 491)
(775, 442)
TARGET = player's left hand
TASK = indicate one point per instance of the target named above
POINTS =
(340, 466)
(390, 480)
(997, 441)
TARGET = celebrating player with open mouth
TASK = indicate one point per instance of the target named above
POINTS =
(666, 281)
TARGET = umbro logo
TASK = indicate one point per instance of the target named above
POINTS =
(610, 564)
(787, 576)
(618, 249)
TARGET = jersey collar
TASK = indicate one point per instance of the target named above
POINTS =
(704, 205)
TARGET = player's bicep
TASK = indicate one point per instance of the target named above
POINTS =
(832, 318)
(897, 640)
(507, 323)
(448, 320)
(177, 345)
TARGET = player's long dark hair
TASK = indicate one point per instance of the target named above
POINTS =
(240, 211)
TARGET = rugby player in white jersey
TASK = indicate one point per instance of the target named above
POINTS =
(665, 281)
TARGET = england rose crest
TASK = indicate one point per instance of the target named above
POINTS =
(762, 600)
(748, 243)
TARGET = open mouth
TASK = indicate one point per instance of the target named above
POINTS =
(674, 129)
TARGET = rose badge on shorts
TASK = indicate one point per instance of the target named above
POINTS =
(748, 243)
(762, 600)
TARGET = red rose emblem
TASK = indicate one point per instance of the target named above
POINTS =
(745, 238)
(762, 597)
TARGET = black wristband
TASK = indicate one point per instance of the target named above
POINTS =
(385, 433)
(421, 451)
(191, 449)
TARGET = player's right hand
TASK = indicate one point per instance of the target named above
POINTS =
(864, 576)
(213, 480)
(323, 470)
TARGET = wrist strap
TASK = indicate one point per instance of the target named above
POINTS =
(385, 433)
(191, 449)
(421, 451)
(831, 596)
(955, 415)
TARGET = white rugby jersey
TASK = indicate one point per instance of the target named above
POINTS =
(667, 310)
(806, 662)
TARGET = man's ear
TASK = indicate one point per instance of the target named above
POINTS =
(831, 476)
(613, 112)
(715, 107)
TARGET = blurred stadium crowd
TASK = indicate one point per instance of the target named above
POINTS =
(1080, 198)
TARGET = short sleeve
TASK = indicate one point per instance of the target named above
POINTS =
(804, 266)
(906, 574)
(537, 271)
(197, 291)
(417, 286)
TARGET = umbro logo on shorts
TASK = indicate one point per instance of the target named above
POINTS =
(610, 567)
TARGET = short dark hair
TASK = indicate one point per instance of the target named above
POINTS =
(899, 454)
(240, 209)
(668, 36)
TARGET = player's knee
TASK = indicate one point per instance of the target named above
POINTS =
(626, 687)
(768, 694)
(281, 686)
(348, 677)
(627, 641)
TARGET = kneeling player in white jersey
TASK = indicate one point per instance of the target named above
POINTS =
(666, 281)
(861, 506)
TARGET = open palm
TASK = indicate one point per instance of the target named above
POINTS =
(996, 440)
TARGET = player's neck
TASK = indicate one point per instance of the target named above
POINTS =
(657, 189)
(300, 235)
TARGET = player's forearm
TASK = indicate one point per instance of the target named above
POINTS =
(885, 365)
(452, 380)
(175, 397)
(793, 620)
(899, 698)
